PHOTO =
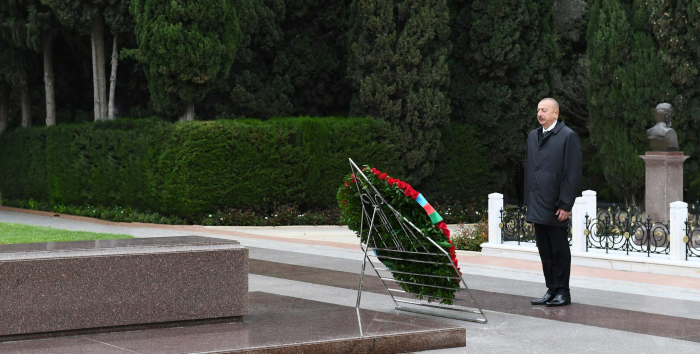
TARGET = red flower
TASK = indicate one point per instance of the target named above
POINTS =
(374, 170)
(383, 176)
(392, 181)
(441, 226)
(403, 185)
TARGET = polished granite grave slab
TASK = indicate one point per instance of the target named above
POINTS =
(51, 288)
(277, 325)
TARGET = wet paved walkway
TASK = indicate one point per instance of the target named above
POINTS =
(613, 311)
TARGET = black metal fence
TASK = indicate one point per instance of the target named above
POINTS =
(515, 228)
(692, 231)
(627, 230)
(615, 228)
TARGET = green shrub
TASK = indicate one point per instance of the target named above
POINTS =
(281, 215)
(188, 169)
(113, 213)
(104, 163)
(23, 164)
(470, 237)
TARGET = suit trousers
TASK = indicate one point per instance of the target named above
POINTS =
(553, 245)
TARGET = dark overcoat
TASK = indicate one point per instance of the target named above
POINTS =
(552, 173)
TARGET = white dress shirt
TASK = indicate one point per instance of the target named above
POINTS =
(550, 128)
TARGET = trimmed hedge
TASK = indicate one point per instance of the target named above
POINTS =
(22, 163)
(187, 169)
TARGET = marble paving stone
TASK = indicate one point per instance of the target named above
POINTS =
(276, 324)
(64, 345)
(56, 287)
(591, 315)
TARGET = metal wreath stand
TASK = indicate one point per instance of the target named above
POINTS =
(375, 218)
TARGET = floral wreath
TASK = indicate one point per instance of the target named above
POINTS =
(414, 207)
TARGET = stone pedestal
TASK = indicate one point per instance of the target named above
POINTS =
(664, 182)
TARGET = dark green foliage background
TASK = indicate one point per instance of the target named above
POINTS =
(187, 169)
(462, 175)
(503, 53)
(420, 66)
(397, 65)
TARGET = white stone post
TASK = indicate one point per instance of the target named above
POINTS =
(590, 208)
(578, 224)
(591, 204)
(679, 215)
(495, 206)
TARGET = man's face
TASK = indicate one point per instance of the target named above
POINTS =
(547, 113)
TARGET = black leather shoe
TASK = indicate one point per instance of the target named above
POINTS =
(559, 300)
(549, 296)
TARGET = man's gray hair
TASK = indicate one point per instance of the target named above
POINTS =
(556, 104)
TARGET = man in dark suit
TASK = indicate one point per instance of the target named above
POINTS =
(552, 177)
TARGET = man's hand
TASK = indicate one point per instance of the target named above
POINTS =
(563, 214)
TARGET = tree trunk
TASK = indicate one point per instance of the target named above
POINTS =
(113, 79)
(101, 73)
(189, 113)
(98, 66)
(26, 104)
(95, 85)
(48, 79)
(4, 105)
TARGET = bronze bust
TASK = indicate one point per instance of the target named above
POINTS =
(661, 136)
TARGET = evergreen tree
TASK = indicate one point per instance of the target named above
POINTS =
(291, 60)
(32, 26)
(504, 51)
(17, 58)
(187, 48)
(315, 33)
(260, 85)
(120, 23)
(398, 65)
(88, 17)
(676, 28)
(627, 80)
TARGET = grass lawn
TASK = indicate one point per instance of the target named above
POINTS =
(20, 233)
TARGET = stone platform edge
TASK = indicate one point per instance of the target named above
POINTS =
(115, 329)
(380, 344)
(607, 261)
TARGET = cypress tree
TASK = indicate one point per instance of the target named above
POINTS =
(676, 28)
(499, 71)
(260, 85)
(187, 48)
(398, 65)
(291, 61)
(16, 63)
(627, 80)
(315, 33)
